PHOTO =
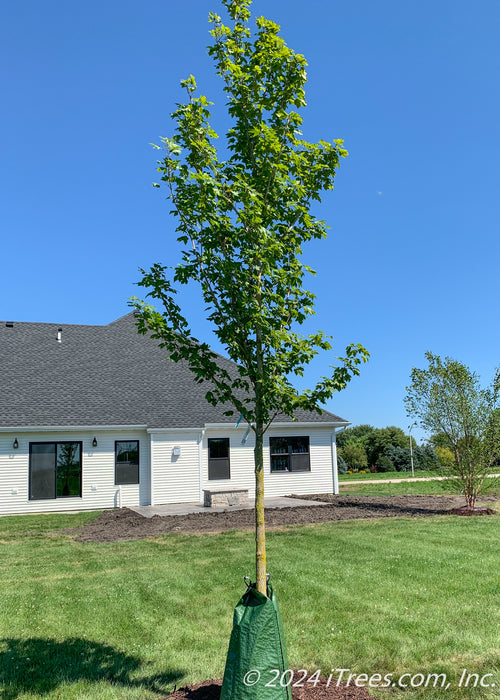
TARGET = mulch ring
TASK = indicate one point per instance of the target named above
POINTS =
(210, 690)
(471, 511)
(125, 524)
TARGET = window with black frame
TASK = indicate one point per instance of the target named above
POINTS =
(55, 470)
(218, 459)
(290, 454)
(126, 462)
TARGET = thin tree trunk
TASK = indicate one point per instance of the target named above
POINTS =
(471, 492)
(260, 528)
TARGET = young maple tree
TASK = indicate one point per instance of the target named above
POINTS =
(242, 222)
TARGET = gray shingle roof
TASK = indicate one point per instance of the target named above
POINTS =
(101, 376)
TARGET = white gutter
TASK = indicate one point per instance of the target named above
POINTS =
(151, 471)
(200, 462)
(291, 424)
(194, 429)
(335, 468)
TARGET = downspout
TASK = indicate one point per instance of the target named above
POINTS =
(151, 471)
(200, 462)
(335, 470)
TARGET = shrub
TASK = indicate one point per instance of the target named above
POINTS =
(445, 457)
(355, 456)
(341, 465)
(384, 464)
(399, 456)
(426, 458)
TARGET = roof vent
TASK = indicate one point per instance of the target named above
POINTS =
(59, 335)
(9, 324)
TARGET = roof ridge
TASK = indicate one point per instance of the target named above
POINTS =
(121, 318)
(71, 325)
(51, 323)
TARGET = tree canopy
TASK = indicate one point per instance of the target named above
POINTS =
(379, 440)
(382, 449)
(356, 435)
(242, 220)
(355, 456)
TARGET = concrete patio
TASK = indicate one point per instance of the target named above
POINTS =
(186, 508)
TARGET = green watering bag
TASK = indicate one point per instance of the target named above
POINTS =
(257, 652)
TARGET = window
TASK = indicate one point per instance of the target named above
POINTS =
(126, 462)
(218, 458)
(290, 454)
(55, 470)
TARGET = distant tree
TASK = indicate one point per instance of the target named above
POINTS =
(380, 438)
(445, 457)
(496, 427)
(399, 456)
(439, 440)
(447, 398)
(341, 465)
(356, 435)
(425, 457)
(355, 456)
(385, 464)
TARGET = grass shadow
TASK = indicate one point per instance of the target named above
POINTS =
(41, 665)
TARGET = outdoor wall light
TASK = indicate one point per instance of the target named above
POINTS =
(94, 442)
(16, 444)
(176, 451)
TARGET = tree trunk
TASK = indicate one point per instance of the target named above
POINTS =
(260, 528)
(470, 493)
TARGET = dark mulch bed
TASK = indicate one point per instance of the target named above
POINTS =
(125, 524)
(210, 690)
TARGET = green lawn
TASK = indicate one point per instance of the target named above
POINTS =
(131, 619)
(386, 475)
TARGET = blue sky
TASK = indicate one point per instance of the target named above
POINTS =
(413, 89)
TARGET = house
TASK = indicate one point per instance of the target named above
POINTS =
(96, 417)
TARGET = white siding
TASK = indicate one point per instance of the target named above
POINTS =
(176, 479)
(98, 472)
(318, 480)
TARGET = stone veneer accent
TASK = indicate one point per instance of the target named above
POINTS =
(225, 497)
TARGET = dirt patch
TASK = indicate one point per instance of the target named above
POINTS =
(125, 524)
(210, 690)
